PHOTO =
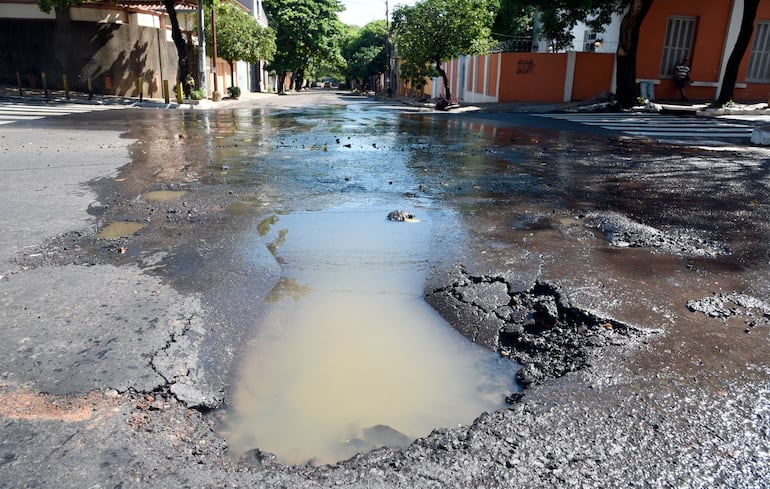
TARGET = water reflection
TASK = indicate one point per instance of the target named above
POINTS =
(349, 356)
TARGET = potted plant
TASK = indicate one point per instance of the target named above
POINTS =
(234, 92)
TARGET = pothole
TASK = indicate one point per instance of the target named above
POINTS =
(538, 326)
(348, 356)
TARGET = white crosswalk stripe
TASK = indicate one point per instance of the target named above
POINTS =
(669, 128)
(11, 112)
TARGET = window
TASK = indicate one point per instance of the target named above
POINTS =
(759, 60)
(589, 40)
(680, 33)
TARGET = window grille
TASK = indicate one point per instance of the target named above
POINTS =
(759, 60)
(589, 38)
(680, 33)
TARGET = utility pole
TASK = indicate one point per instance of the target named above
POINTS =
(389, 73)
(202, 50)
(216, 96)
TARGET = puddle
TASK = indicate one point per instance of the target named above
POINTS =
(116, 230)
(349, 356)
(570, 222)
(163, 195)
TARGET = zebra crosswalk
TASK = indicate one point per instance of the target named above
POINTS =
(11, 112)
(707, 131)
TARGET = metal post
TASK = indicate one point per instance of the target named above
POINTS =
(166, 95)
(140, 86)
(179, 97)
(45, 83)
(18, 82)
(66, 84)
(214, 49)
(388, 74)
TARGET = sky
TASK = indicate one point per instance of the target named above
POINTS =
(361, 12)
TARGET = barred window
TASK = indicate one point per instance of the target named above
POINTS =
(680, 33)
(589, 40)
(759, 60)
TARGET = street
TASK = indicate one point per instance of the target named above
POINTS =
(164, 271)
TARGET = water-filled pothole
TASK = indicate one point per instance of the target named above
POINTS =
(163, 195)
(349, 356)
(115, 230)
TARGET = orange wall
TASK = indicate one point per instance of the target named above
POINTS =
(492, 80)
(713, 17)
(593, 75)
(532, 77)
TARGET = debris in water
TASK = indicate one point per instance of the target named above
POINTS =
(400, 216)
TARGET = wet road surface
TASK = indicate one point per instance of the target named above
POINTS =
(628, 230)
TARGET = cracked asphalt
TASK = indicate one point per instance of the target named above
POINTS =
(629, 280)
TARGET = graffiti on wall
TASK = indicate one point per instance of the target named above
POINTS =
(525, 66)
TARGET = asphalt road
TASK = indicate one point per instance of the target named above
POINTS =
(630, 278)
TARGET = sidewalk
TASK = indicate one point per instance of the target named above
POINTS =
(59, 96)
(697, 108)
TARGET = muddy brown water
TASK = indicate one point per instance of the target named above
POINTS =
(349, 356)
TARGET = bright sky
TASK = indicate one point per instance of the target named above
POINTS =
(361, 12)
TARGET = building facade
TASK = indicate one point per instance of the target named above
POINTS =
(118, 48)
(704, 31)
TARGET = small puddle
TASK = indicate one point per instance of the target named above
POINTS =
(163, 195)
(115, 230)
(349, 356)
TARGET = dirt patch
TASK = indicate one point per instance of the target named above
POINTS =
(33, 406)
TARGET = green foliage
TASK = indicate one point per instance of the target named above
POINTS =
(196, 94)
(239, 35)
(514, 19)
(308, 34)
(434, 31)
(556, 18)
(234, 92)
(365, 50)
(417, 75)
(47, 5)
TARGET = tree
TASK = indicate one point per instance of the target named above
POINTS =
(365, 51)
(628, 44)
(239, 35)
(176, 33)
(307, 31)
(739, 50)
(434, 31)
(514, 22)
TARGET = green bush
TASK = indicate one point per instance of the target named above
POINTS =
(234, 92)
(196, 94)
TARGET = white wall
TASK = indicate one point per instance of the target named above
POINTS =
(23, 11)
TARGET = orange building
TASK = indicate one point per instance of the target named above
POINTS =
(705, 31)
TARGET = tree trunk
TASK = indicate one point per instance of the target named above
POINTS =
(626, 54)
(232, 73)
(179, 42)
(734, 61)
(442, 72)
(281, 82)
(300, 78)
